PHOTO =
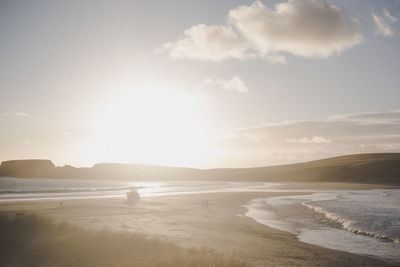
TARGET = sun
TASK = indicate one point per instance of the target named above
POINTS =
(151, 125)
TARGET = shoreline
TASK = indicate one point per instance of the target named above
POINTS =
(222, 226)
(293, 214)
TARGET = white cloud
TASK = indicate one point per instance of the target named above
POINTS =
(204, 42)
(23, 114)
(306, 28)
(313, 140)
(299, 27)
(370, 118)
(276, 59)
(390, 17)
(381, 23)
(233, 84)
(381, 27)
(16, 113)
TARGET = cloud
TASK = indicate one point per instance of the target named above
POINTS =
(314, 140)
(391, 18)
(204, 42)
(299, 141)
(16, 113)
(299, 27)
(373, 118)
(305, 28)
(233, 84)
(23, 114)
(381, 27)
(276, 59)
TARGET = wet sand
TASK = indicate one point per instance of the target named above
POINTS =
(183, 219)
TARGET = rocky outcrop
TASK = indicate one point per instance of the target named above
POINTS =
(32, 168)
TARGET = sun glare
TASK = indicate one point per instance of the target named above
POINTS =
(153, 125)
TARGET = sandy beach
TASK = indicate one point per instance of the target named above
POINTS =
(221, 226)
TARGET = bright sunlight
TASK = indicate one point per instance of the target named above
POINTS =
(151, 125)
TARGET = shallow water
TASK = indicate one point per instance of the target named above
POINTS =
(19, 189)
(358, 221)
(374, 213)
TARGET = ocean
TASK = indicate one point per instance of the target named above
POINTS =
(20, 189)
(365, 222)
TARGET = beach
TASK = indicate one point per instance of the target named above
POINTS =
(212, 220)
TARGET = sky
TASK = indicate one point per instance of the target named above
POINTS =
(198, 83)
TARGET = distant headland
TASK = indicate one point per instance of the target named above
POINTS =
(377, 168)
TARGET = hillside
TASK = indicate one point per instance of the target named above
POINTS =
(383, 168)
(360, 168)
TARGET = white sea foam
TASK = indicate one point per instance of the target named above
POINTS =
(257, 211)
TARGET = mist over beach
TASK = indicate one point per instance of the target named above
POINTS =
(199, 133)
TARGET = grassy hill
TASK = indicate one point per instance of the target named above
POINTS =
(379, 168)
(361, 168)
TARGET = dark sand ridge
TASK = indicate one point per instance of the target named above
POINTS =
(183, 220)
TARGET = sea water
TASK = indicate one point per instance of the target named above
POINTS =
(29, 189)
(374, 213)
(359, 221)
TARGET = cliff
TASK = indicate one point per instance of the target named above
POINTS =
(34, 168)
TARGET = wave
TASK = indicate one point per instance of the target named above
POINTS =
(349, 225)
